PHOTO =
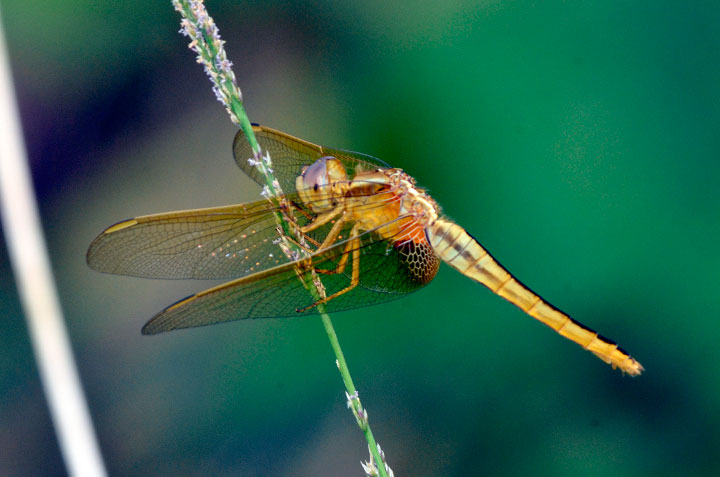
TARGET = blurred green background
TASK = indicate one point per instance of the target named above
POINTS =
(578, 141)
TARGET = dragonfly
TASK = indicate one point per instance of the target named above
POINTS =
(363, 233)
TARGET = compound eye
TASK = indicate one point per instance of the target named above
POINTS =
(316, 175)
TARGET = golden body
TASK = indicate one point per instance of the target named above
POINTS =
(351, 210)
(375, 200)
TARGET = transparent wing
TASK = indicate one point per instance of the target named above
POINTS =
(221, 242)
(387, 272)
(290, 154)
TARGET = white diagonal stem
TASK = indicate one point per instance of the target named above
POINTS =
(29, 258)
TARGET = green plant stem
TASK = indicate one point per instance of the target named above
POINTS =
(327, 323)
(245, 125)
(347, 379)
(206, 42)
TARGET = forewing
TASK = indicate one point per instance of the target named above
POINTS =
(290, 154)
(385, 274)
(222, 242)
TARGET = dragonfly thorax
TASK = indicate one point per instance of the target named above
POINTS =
(384, 200)
(413, 201)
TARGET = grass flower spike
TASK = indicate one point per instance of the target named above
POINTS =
(205, 41)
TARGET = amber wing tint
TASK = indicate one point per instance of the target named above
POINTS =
(290, 154)
(385, 274)
(222, 242)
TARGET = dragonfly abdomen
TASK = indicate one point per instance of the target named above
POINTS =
(461, 251)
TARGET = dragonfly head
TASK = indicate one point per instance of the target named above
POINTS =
(319, 184)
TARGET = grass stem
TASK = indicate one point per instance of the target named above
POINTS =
(205, 41)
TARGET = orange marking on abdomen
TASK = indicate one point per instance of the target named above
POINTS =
(380, 212)
(410, 230)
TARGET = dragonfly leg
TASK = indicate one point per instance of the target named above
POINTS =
(333, 235)
(306, 248)
(321, 220)
(331, 238)
(341, 264)
(355, 278)
(290, 218)
(296, 206)
(303, 229)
